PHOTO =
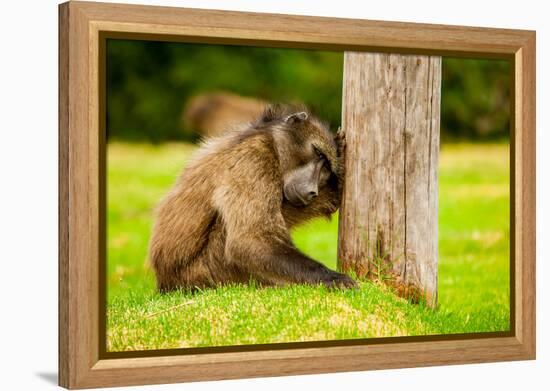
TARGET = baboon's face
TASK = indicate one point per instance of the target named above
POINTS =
(302, 184)
(311, 161)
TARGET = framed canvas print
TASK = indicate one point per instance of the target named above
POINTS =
(248, 195)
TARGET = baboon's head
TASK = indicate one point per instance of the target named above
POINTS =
(306, 150)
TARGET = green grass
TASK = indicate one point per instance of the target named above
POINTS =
(473, 266)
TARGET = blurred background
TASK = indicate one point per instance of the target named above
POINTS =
(162, 97)
(150, 84)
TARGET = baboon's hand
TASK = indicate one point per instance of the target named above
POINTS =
(339, 281)
(340, 139)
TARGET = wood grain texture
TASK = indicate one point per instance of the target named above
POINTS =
(80, 362)
(78, 264)
(523, 187)
(388, 219)
(184, 24)
(151, 370)
(63, 221)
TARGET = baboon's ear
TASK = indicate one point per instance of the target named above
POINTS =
(296, 117)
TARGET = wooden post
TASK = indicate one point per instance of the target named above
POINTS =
(388, 219)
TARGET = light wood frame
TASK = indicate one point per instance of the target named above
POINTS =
(81, 162)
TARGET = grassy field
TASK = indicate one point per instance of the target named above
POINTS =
(473, 266)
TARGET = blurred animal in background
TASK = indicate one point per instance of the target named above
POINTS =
(227, 218)
(212, 114)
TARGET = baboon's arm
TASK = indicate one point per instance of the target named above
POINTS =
(279, 262)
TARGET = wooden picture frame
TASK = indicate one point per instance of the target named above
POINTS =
(83, 28)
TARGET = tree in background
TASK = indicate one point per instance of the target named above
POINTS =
(475, 99)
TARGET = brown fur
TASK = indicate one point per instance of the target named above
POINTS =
(227, 221)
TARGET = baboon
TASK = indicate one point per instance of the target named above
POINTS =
(211, 114)
(227, 219)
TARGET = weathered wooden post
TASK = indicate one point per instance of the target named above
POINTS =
(388, 219)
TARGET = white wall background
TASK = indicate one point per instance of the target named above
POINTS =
(28, 192)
